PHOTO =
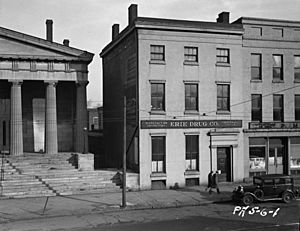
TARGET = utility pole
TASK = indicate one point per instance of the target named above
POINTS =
(124, 158)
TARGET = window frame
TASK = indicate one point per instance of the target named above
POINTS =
(221, 56)
(227, 108)
(277, 67)
(188, 55)
(278, 108)
(159, 155)
(154, 53)
(254, 67)
(158, 96)
(192, 155)
(296, 69)
(191, 96)
(297, 108)
(256, 110)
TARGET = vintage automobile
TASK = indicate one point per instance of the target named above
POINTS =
(267, 187)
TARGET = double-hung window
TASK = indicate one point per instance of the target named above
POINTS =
(157, 53)
(297, 69)
(157, 96)
(158, 154)
(256, 107)
(255, 66)
(223, 55)
(191, 97)
(297, 107)
(277, 68)
(191, 152)
(278, 108)
(223, 97)
(191, 54)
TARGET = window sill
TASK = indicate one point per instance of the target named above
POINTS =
(188, 63)
(255, 81)
(223, 112)
(192, 173)
(277, 81)
(157, 112)
(159, 175)
(159, 62)
(223, 64)
(191, 112)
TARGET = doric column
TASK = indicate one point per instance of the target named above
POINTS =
(16, 123)
(51, 121)
(81, 140)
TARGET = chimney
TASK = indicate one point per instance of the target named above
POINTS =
(66, 42)
(115, 31)
(223, 17)
(132, 13)
(49, 31)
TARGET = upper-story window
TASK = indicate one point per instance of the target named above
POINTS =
(297, 107)
(223, 55)
(191, 97)
(277, 68)
(256, 107)
(297, 68)
(157, 96)
(157, 52)
(255, 66)
(223, 97)
(191, 54)
(278, 108)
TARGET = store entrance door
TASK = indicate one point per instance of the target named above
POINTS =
(224, 163)
(277, 153)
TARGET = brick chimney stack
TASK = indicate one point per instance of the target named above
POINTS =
(132, 13)
(66, 42)
(49, 30)
(115, 31)
(223, 17)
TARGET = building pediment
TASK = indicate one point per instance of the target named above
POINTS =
(16, 45)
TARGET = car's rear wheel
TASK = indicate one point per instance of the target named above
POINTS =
(247, 199)
(287, 197)
(259, 193)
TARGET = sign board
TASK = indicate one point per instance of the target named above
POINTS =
(157, 124)
(274, 125)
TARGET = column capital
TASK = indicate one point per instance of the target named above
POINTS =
(82, 83)
(51, 82)
(15, 82)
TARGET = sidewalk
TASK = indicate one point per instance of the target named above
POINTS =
(20, 210)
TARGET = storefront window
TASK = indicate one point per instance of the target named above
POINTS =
(295, 154)
(257, 155)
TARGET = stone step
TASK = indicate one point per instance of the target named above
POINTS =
(90, 191)
(40, 193)
(17, 176)
(22, 188)
(20, 182)
(98, 184)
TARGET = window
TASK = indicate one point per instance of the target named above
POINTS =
(191, 97)
(157, 96)
(297, 69)
(278, 108)
(157, 52)
(257, 155)
(297, 107)
(255, 66)
(191, 152)
(222, 55)
(295, 154)
(223, 96)
(191, 54)
(277, 68)
(158, 153)
(256, 108)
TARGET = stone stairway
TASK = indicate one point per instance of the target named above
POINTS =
(36, 175)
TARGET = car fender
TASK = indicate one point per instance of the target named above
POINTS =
(290, 191)
(253, 195)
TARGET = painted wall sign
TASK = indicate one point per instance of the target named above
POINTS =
(156, 124)
(274, 125)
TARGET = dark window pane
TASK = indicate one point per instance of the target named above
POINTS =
(157, 96)
(191, 97)
(222, 55)
(157, 52)
(257, 141)
(223, 102)
(297, 107)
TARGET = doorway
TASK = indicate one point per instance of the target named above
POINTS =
(4, 124)
(224, 163)
(38, 114)
(277, 155)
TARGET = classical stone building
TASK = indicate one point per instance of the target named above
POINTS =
(202, 96)
(42, 94)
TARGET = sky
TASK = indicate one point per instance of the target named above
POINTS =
(87, 23)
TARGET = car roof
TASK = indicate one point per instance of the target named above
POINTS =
(272, 176)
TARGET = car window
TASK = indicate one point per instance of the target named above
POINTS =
(257, 181)
(268, 182)
(279, 181)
